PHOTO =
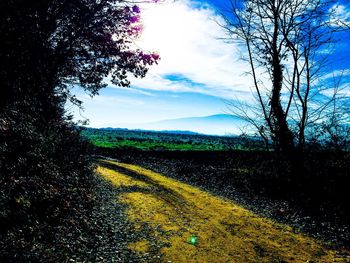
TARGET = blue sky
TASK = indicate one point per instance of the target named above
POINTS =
(197, 74)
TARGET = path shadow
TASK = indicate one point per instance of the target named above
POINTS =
(159, 191)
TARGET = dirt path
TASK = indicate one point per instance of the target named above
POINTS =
(189, 225)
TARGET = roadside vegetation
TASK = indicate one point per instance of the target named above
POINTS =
(49, 192)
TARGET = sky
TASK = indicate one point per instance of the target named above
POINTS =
(198, 71)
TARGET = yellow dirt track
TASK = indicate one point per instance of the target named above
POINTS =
(226, 232)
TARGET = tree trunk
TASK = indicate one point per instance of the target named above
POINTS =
(283, 137)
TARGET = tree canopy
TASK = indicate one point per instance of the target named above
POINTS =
(46, 173)
(49, 45)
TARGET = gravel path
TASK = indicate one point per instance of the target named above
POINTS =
(111, 231)
(174, 211)
(212, 177)
(115, 231)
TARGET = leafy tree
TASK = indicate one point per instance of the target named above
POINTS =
(50, 45)
(47, 47)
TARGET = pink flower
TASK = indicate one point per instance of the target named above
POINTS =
(146, 57)
(155, 56)
(134, 19)
(135, 30)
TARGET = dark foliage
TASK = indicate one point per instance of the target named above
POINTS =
(48, 45)
(46, 176)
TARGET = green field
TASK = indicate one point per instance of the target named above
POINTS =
(151, 140)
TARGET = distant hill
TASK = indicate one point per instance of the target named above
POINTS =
(219, 124)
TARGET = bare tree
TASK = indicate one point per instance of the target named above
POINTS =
(285, 41)
(329, 120)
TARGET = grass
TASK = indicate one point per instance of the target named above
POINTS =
(225, 232)
(152, 140)
(149, 145)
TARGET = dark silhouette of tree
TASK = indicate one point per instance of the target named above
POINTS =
(47, 46)
(284, 40)
(46, 175)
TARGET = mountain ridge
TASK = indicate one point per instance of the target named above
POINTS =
(217, 124)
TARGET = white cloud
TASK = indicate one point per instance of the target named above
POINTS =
(340, 14)
(186, 35)
(343, 91)
(336, 74)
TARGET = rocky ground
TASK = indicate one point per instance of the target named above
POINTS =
(97, 233)
(112, 232)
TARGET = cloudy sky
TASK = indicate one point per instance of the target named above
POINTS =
(198, 71)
